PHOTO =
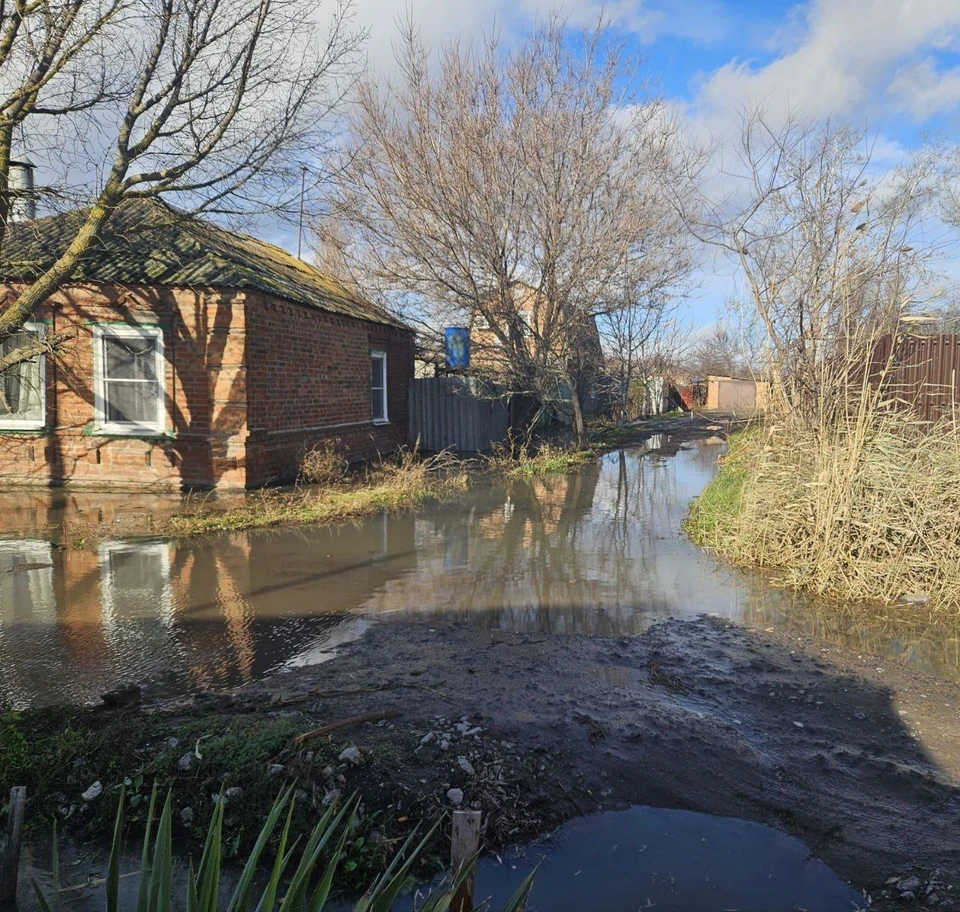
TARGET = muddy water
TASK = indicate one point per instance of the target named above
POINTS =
(598, 551)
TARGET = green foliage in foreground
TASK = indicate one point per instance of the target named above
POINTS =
(289, 888)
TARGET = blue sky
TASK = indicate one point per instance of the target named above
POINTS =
(892, 66)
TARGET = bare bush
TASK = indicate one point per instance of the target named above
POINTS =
(831, 248)
(324, 464)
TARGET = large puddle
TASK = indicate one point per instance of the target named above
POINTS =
(671, 861)
(598, 551)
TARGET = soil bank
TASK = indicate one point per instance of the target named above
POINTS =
(857, 756)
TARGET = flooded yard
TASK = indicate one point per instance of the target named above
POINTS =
(552, 651)
(596, 552)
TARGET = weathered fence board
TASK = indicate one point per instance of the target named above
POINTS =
(452, 413)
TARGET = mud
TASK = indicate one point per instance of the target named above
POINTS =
(855, 757)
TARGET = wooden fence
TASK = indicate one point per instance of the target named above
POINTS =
(456, 413)
(924, 372)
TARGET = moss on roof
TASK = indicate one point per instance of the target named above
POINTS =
(147, 242)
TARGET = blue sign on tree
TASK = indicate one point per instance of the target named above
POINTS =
(457, 345)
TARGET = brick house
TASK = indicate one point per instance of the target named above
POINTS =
(199, 358)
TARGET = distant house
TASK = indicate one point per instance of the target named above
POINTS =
(529, 324)
(200, 358)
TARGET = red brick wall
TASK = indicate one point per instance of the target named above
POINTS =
(203, 443)
(308, 380)
(300, 372)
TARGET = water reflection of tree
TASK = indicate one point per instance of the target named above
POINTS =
(578, 553)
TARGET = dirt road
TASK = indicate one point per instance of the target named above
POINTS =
(858, 760)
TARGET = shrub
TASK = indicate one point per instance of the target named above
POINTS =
(518, 458)
(324, 464)
(866, 506)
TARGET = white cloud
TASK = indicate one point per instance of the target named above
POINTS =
(850, 59)
(924, 91)
(700, 21)
(843, 60)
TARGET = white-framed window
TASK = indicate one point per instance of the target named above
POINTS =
(378, 386)
(23, 393)
(128, 366)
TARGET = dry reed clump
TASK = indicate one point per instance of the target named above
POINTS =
(867, 507)
(519, 458)
(324, 464)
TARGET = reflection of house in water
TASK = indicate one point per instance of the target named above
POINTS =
(210, 612)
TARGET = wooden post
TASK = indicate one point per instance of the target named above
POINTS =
(10, 858)
(464, 845)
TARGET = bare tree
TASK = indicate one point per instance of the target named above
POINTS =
(643, 341)
(830, 246)
(514, 186)
(734, 346)
(209, 103)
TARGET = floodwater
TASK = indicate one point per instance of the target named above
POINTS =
(617, 861)
(598, 551)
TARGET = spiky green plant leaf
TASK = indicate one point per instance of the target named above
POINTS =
(239, 902)
(143, 894)
(112, 887)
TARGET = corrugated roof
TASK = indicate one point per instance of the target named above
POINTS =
(149, 243)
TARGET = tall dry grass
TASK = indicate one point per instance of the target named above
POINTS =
(863, 506)
(519, 457)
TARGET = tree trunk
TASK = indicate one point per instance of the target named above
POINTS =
(579, 423)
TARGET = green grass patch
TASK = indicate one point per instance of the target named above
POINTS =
(58, 754)
(714, 513)
(524, 460)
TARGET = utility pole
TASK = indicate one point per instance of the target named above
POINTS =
(303, 190)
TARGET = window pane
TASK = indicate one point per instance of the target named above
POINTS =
(376, 373)
(21, 395)
(378, 405)
(132, 401)
(130, 359)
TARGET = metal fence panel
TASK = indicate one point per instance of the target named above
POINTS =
(924, 372)
(452, 413)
